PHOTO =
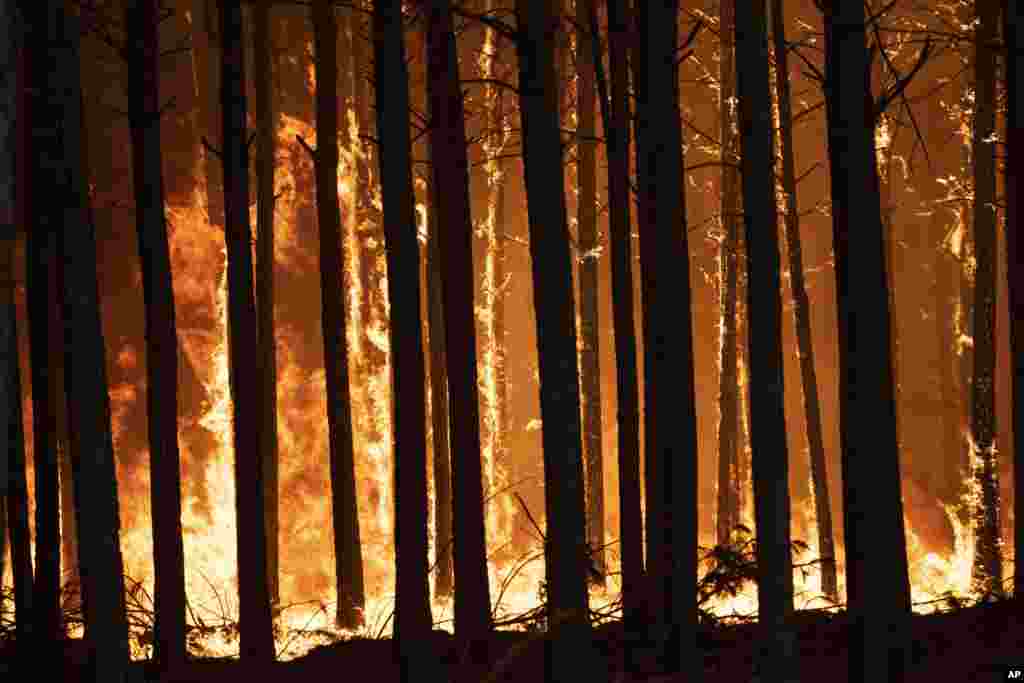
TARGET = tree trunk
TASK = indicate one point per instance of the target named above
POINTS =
(778, 657)
(590, 349)
(987, 573)
(802, 317)
(204, 45)
(451, 172)
(47, 160)
(615, 119)
(1012, 22)
(670, 402)
(255, 620)
(10, 30)
(266, 133)
(728, 516)
(566, 542)
(98, 520)
(878, 587)
(412, 601)
(348, 554)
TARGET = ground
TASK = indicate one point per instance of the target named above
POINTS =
(974, 644)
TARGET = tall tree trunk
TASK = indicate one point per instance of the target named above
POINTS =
(348, 554)
(566, 542)
(98, 519)
(255, 619)
(266, 133)
(412, 600)
(728, 516)
(161, 332)
(45, 116)
(590, 349)
(1012, 23)
(670, 402)
(10, 30)
(802, 316)
(205, 42)
(878, 587)
(778, 656)
(987, 573)
(451, 171)
(615, 119)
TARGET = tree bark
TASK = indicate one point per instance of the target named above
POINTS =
(566, 542)
(778, 656)
(590, 356)
(348, 554)
(9, 35)
(255, 619)
(670, 402)
(987, 572)
(802, 317)
(412, 601)
(448, 153)
(878, 587)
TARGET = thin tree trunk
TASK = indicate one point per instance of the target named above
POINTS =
(266, 133)
(348, 554)
(590, 349)
(205, 44)
(729, 389)
(448, 153)
(802, 317)
(778, 659)
(878, 587)
(566, 542)
(98, 519)
(987, 572)
(670, 402)
(10, 30)
(412, 601)
(161, 332)
(255, 619)
(615, 119)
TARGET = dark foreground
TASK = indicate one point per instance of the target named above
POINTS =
(975, 644)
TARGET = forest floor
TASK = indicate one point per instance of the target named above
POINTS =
(979, 643)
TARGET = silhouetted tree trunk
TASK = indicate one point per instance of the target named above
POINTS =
(255, 620)
(45, 114)
(17, 493)
(590, 356)
(1012, 23)
(987, 572)
(615, 117)
(566, 542)
(266, 133)
(161, 332)
(802, 316)
(205, 41)
(98, 519)
(670, 404)
(9, 35)
(412, 600)
(451, 171)
(878, 587)
(348, 554)
(778, 656)
(728, 352)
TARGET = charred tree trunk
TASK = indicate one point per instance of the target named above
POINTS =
(878, 586)
(348, 554)
(987, 572)
(10, 30)
(412, 601)
(1012, 23)
(566, 542)
(778, 656)
(670, 403)
(255, 619)
(266, 133)
(98, 519)
(46, 164)
(802, 316)
(590, 350)
(205, 43)
(728, 516)
(451, 171)
(161, 332)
